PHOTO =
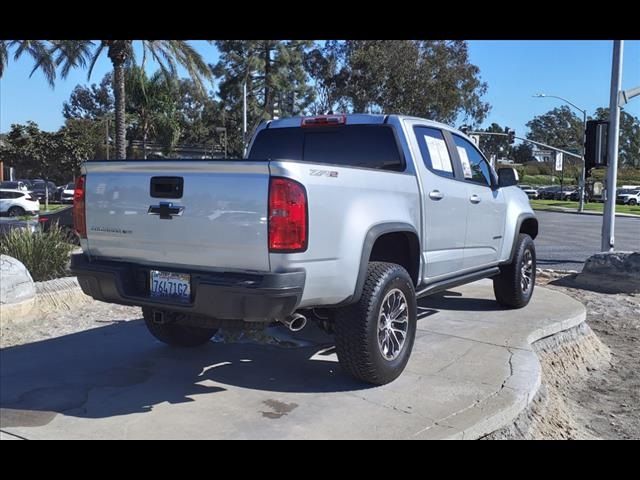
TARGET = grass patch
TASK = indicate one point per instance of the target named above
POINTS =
(46, 255)
(53, 207)
(592, 207)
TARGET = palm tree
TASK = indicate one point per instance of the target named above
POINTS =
(71, 54)
(37, 49)
(152, 101)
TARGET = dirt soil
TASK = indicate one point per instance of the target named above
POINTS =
(605, 403)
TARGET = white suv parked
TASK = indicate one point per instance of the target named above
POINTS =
(17, 203)
(628, 197)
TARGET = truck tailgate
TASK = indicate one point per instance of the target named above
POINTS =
(218, 222)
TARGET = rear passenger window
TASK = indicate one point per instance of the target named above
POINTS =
(474, 166)
(435, 153)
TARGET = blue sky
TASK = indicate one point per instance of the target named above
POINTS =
(579, 71)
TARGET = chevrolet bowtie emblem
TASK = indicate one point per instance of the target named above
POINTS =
(166, 210)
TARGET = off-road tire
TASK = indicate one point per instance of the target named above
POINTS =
(175, 334)
(356, 326)
(508, 284)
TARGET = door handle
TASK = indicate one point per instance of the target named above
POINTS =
(474, 198)
(436, 195)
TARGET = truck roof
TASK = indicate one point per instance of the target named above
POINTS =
(356, 119)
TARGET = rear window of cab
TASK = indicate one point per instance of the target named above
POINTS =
(365, 146)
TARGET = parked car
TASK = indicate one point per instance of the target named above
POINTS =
(530, 191)
(41, 189)
(14, 185)
(628, 197)
(564, 194)
(27, 182)
(65, 194)
(547, 193)
(16, 203)
(64, 218)
(325, 219)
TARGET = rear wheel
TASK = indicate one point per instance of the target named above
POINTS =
(16, 212)
(513, 287)
(175, 334)
(374, 337)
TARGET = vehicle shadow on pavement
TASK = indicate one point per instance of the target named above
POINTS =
(449, 300)
(120, 369)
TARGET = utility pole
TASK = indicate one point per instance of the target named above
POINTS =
(609, 217)
(583, 171)
(244, 118)
(107, 128)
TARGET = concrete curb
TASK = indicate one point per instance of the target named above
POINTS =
(502, 407)
(52, 295)
(563, 210)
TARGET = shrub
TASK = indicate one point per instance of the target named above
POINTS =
(46, 255)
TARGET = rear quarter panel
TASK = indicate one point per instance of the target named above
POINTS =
(344, 203)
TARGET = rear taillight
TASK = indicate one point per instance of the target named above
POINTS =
(324, 121)
(79, 218)
(287, 216)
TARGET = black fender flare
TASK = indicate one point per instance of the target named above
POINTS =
(370, 238)
(521, 219)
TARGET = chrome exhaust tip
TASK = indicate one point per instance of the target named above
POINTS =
(295, 322)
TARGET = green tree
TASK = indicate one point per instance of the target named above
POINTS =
(274, 74)
(90, 102)
(66, 55)
(153, 105)
(559, 128)
(324, 64)
(426, 78)
(494, 144)
(629, 143)
(523, 153)
(52, 155)
(198, 115)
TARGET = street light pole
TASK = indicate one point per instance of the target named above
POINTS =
(583, 174)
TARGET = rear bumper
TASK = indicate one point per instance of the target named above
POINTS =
(233, 296)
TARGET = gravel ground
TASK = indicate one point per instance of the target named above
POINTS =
(606, 403)
(64, 322)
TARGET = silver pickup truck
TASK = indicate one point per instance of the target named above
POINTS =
(341, 219)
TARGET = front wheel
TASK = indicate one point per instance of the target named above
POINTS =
(374, 337)
(513, 287)
(633, 202)
(176, 334)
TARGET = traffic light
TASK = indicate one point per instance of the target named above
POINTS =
(595, 146)
(511, 135)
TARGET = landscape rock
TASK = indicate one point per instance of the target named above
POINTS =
(16, 284)
(611, 272)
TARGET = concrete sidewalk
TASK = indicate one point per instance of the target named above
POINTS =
(472, 371)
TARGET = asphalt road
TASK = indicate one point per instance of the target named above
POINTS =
(566, 240)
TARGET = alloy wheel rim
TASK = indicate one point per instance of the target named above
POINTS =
(393, 324)
(526, 271)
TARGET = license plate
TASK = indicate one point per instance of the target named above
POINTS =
(170, 285)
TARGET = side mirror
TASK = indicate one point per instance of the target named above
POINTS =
(507, 177)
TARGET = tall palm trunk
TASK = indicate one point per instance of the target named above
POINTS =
(117, 54)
